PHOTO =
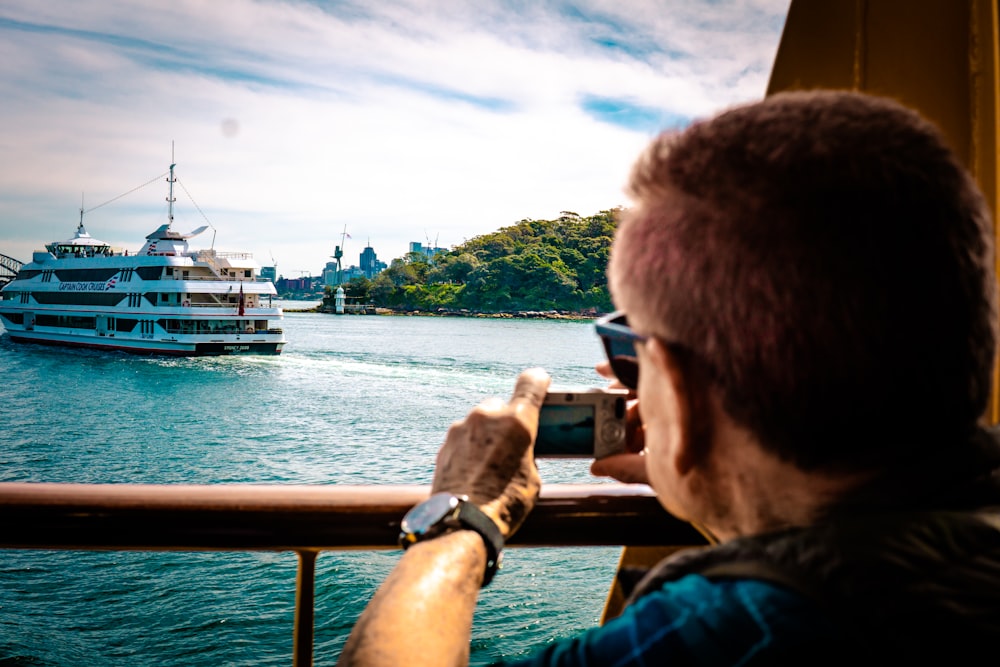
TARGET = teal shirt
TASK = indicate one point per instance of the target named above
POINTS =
(696, 621)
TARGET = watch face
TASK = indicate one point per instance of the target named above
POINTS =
(427, 514)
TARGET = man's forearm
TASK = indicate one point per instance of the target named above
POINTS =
(422, 613)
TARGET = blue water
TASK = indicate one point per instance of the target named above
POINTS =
(352, 400)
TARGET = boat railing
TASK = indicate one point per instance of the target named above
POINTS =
(212, 257)
(223, 304)
(229, 330)
(214, 279)
(207, 253)
(303, 519)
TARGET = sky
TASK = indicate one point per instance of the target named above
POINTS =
(296, 125)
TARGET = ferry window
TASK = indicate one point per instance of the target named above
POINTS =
(246, 273)
(164, 297)
(170, 270)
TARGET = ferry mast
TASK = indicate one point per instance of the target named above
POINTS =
(170, 194)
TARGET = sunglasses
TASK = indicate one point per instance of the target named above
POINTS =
(619, 344)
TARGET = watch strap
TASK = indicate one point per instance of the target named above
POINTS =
(443, 513)
(470, 516)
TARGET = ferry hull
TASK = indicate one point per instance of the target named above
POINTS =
(167, 348)
(215, 349)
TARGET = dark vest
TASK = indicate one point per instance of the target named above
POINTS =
(911, 582)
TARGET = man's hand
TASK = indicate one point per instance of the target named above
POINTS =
(488, 455)
(429, 598)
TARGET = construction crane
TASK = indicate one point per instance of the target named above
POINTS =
(338, 254)
(274, 264)
(430, 250)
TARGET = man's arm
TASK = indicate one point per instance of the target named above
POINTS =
(422, 613)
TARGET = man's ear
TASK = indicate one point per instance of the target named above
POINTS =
(684, 395)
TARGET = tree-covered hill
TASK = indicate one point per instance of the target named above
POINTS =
(535, 265)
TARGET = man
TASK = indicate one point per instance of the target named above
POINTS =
(809, 291)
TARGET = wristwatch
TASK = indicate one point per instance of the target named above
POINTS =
(445, 512)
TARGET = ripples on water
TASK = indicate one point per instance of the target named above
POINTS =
(352, 400)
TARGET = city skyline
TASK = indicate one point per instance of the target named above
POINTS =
(403, 121)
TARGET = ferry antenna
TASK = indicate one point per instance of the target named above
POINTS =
(170, 195)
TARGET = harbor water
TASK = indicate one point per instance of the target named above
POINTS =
(351, 400)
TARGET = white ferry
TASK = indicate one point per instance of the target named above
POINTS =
(164, 299)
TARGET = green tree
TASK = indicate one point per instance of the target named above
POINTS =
(383, 290)
(532, 265)
(358, 289)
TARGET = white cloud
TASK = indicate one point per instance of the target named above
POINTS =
(401, 120)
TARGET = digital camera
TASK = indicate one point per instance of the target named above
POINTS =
(588, 423)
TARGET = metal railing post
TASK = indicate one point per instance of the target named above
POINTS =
(305, 594)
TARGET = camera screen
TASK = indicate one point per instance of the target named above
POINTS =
(566, 430)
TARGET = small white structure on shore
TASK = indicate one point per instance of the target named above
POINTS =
(338, 301)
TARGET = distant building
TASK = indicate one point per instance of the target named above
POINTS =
(303, 284)
(269, 273)
(426, 251)
(330, 275)
(352, 272)
(370, 265)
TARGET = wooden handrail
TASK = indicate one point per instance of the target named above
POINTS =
(283, 517)
(305, 519)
